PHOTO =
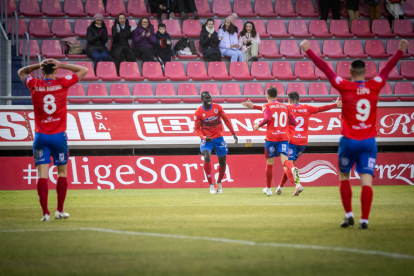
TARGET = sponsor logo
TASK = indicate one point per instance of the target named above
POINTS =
(299, 136)
(216, 111)
(210, 119)
(290, 151)
(272, 149)
(344, 161)
(50, 119)
(284, 147)
(38, 154)
(61, 157)
(378, 79)
(338, 80)
(68, 77)
(371, 162)
(315, 170)
(362, 126)
(278, 132)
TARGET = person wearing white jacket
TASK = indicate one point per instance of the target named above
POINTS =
(229, 43)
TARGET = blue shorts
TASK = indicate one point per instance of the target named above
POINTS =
(361, 152)
(55, 145)
(273, 149)
(295, 151)
(219, 145)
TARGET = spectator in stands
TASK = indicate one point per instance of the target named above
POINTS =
(250, 40)
(161, 8)
(97, 36)
(395, 10)
(184, 7)
(144, 39)
(210, 41)
(229, 42)
(352, 7)
(374, 10)
(335, 5)
(121, 32)
(163, 45)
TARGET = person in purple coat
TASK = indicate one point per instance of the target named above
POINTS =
(144, 39)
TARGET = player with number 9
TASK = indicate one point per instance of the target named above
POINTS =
(49, 103)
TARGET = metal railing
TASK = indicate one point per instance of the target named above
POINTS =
(25, 50)
(4, 11)
(5, 63)
(15, 31)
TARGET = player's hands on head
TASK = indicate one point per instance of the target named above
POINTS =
(403, 45)
(305, 45)
(208, 139)
(236, 140)
(247, 104)
(338, 102)
(256, 126)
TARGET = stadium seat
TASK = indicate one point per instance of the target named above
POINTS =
(255, 89)
(300, 88)
(39, 28)
(93, 7)
(120, 89)
(52, 8)
(298, 29)
(381, 28)
(230, 89)
(387, 90)
(74, 8)
(260, 28)
(106, 71)
(137, 8)
(217, 24)
(315, 47)
(261, 71)
(196, 70)
(188, 89)
(154, 23)
(409, 8)
(81, 26)
(375, 49)
(21, 25)
(61, 28)
(353, 49)
(332, 49)
(264, 8)
(268, 49)
(243, 8)
(221, 8)
(318, 28)
(410, 47)
(152, 71)
(129, 71)
(166, 90)
(203, 8)
(290, 49)
(339, 28)
(394, 74)
(277, 29)
(98, 89)
(90, 76)
(403, 28)
(11, 7)
(144, 90)
(284, 8)
(218, 71)
(115, 7)
(192, 28)
(393, 46)
(371, 68)
(199, 49)
(282, 70)
(305, 8)
(52, 49)
(404, 88)
(239, 24)
(280, 90)
(240, 71)
(321, 74)
(173, 28)
(213, 89)
(109, 23)
(174, 71)
(304, 70)
(63, 72)
(319, 89)
(360, 28)
(77, 90)
(407, 69)
(30, 8)
(342, 69)
(34, 48)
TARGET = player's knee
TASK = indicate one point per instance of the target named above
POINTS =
(222, 162)
(206, 155)
(270, 161)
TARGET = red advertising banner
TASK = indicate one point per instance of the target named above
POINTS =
(155, 172)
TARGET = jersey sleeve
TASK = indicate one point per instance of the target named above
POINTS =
(377, 83)
(69, 80)
(313, 109)
(197, 125)
(30, 82)
(226, 120)
(339, 83)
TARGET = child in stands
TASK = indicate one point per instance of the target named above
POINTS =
(163, 45)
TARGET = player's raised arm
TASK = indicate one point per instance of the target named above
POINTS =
(229, 126)
(249, 104)
(292, 119)
(305, 46)
(26, 71)
(394, 60)
(80, 71)
(338, 103)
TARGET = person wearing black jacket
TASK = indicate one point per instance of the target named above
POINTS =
(97, 36)
(121, 50)
(160, 7)
(209, 42)
(163, 45)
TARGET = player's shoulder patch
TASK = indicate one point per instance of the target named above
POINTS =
(338, 79)
(69, 77)
(378, 79)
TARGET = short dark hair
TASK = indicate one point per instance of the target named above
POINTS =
(294, 96)
(272, 92)
(358, 67)
(162, 25)
(204, 92)
(49, 69)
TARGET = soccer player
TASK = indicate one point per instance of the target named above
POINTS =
(49, 103)
(359, 114)
(298, 135)
(209, 127)
(278, 117)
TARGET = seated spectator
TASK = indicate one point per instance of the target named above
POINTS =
(374, 10)
(229, 43)
(250, 40)
(184, 7)
(161, 8)
(395, 9)
(121, 32)
(144, 39)
(97, 36)
(163, 45)
(210, 41)
(352, 7)
(335, 5)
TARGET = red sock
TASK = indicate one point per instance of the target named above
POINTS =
(288, 170)
(269, 175)
(366, 200)
(42, 191)
(284, 179)
(61, 188)
(207, 170)
(222, 170)
(346, 195)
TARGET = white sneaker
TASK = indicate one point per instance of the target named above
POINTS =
(296, 176)
(219, 189)
(46, 218)
(298, 190)
(279, 190)
(61, 215)
(212, 189)
(267, 191)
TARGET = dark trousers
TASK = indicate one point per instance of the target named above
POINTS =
(391, 19)
(125, 55)
(180, 6)
(144, 53)
(164, 54)
(99, 56)
(335, 5)
(213, 57)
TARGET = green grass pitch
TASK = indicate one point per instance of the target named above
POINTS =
(190, 232)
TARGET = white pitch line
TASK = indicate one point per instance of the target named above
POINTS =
(251, 243)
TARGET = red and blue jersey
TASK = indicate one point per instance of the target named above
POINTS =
(208, 122)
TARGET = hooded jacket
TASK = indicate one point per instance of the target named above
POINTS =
(96, 42)
(209, 45)
(228, 39)
(140, 40)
